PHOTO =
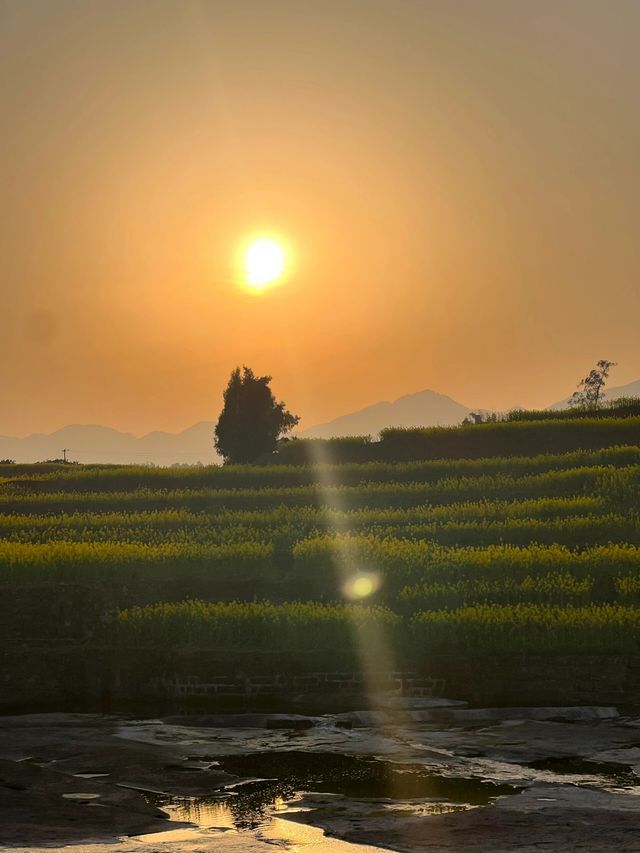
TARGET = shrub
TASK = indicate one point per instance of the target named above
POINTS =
(529, 629)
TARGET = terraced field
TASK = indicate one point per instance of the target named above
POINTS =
(535, 553)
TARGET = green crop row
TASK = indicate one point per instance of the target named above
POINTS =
(498, 438)
(621, 407)
(508, 438)
(145, 529)
(309, 517)
(619, 483)
(302, 628)
(116, 478)
(578, 531)
(292, 628)
(401, 563)
(121, 562)
(410, 574)
(551, 588)
(529, 629)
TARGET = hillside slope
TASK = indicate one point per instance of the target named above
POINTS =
(631, 389)
(425, 408)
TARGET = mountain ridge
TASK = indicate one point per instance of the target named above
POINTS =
(100, 444)
(422, 408)
(631, 389)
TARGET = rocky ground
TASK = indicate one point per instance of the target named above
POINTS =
(411, 776)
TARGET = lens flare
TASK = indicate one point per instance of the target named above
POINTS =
(362, 585)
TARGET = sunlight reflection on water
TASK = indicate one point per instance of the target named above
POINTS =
(216, 820)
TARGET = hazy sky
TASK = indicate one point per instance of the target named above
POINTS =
(459, 181)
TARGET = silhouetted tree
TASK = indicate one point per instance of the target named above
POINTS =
(251, 420)
(590, 391)
(473, 418)
(481, 418)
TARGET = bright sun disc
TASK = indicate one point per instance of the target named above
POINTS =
(264, 263)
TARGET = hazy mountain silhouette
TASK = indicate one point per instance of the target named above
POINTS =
(631, 389)
(94, 443)
(426, 408)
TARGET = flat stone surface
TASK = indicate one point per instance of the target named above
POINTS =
(247, 721)
(41, 804)
(498, 829)
(420, 703)
(589, 805)
(463, 715)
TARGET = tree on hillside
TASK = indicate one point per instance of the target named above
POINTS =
(590, 391)
(251, 420)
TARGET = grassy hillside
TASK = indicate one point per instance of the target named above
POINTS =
(502, 538)
(518, 435)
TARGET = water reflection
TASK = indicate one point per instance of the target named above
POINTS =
(297, 784)
(262, 818)
(357, 776)
(214, 816)
(247, 807)
(207, 813)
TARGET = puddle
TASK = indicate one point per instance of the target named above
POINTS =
(207, 813)
(359, 776)
(287, 791)
(293, 782)
(171, 836)
(294, 836)
(210, 815)
(257, 814)
(249, 812)
(278, 834)
(583, 771)
(246, 807)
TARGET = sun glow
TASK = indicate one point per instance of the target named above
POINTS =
(264, 263)
(361, 585)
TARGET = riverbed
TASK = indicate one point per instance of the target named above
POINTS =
(407, 778)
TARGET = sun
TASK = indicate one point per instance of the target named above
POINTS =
(265, 261)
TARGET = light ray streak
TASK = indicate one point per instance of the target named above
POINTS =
(356, 581)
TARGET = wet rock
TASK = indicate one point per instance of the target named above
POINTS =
(55, 720)
(363, 719)
(246, 721)
(628, 756)
(288, 722)
(545, 798)
(332, 700)
(218, 721)
(463, 715)
(180, 758)
(521, 823)
(454, 712)
(46, 806)
(420, 703)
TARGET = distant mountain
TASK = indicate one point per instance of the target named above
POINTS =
(632, 389)
(426, 408)
(94, 443)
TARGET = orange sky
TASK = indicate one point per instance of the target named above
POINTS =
(460, 181)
